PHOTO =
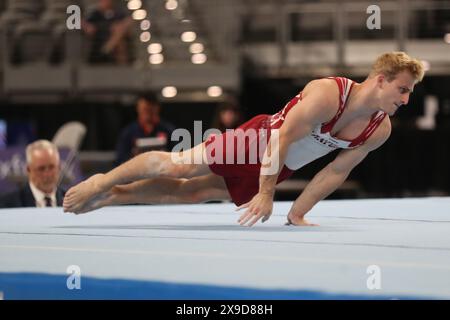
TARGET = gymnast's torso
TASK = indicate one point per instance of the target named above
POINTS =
(320, 141)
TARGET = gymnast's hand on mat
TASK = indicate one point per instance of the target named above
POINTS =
(259, 207)
(298, 221)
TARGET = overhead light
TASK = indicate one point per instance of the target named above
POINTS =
(188, 36)
(156, 58)
(154, 48)
(426, 65)
(134, 4)
(214, 91)
(198, 58)
(171, 4)
(145, 36)
(447, 38)
(169, 92)
(145, 24)
(139, 14)
(196, 48)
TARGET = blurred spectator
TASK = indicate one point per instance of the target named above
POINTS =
(228, 116)
(148, 125)
(43, 168)
(108, 27)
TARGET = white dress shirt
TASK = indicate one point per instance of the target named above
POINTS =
(39, 196)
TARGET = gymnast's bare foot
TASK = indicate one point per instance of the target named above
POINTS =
(99, 201)
(83, 193)
(115, 196)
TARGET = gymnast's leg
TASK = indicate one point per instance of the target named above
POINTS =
(163, 190)
(153, 164)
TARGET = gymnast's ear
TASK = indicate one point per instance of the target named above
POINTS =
(380, 80)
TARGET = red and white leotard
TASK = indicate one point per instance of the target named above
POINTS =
(242, 180)
(320, 142)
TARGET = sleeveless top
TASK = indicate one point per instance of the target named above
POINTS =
(319, 141)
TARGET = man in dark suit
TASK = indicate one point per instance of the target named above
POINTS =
(43, 168)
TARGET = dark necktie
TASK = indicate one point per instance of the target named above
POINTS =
(48, 201)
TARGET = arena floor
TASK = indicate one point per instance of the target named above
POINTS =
(200, 252)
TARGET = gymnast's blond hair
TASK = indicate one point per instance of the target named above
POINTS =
(392, 63)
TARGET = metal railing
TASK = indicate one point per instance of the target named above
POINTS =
(341, 22)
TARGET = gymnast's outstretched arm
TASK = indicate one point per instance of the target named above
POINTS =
(334, 174)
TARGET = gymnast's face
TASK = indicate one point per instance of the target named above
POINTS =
(395, 92)
(44, 170)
